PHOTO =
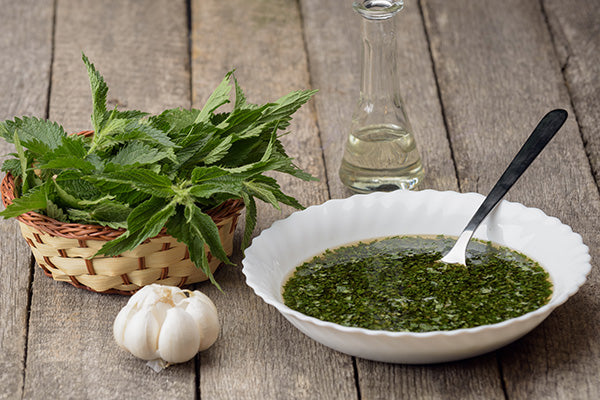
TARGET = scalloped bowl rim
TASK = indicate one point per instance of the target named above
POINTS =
(556, 300)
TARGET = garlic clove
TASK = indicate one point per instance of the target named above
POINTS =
(179, 337)
(141, 334)
(198, 295)
(160, 311)
(151, 295)
(142, 296)
(121, 323)
(204, 313)
(178, 295)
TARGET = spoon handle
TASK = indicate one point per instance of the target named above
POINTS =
(539, 138)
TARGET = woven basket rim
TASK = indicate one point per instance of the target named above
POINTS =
(69, 230)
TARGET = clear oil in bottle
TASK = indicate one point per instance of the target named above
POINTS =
(380, 153)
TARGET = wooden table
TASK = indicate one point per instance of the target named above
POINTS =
(476, 78)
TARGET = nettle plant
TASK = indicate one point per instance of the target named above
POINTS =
(145, 172)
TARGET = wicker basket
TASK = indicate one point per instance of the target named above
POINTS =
(64, 251)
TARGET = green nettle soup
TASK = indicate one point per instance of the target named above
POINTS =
(399, 284)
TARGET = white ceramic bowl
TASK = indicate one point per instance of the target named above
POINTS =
(276, 252)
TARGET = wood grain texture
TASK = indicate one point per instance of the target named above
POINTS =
(498, 74)
(333, 41)
(15, 267)
(499, 67)
(476, 378)
(141, 49)
(260, 355)
(575, 28)
(25, 45)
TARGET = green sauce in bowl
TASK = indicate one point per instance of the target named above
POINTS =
(398, 284)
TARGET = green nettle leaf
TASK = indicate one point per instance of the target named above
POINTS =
(24, 164)
(5, 131)
(206, 190)
(118, 132)
(218, 152)
(201, 174)
(149, 134)
(139, 217)
(243, 122)
(108, 210)
(218, 98)
(112, 126)
(36, 134)
(273, 186)
(66, 198)
(72, 145)
(73, 183)
(217, 119)
(145, 221)
(291, 169)
(175, 120)
(54, 211)
(12, 165)
(250, 205)
(197, 229)
(263, 192)
(138, 153)
(217, 185)
(84, 203)
(257, 168)
(67, 162)
(89, 217)
(96, 161)
(203, 226)
(33, 201)
(269, 150)
(137, 179)
(71, 154)
(178, 227)
(240, 98)
(127, 114)
(99, 93)
(146, 172)
(281, 111)
(82, 216)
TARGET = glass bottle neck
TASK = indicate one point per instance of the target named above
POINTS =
(380, 101)
(379, 77)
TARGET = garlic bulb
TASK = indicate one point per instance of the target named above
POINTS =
(166, 323)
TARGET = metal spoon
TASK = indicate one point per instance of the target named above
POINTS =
(539, 138)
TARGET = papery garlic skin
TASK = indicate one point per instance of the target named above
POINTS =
(167, 323)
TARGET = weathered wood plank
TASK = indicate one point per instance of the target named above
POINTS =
(333, 41)
(260, 355)
(476, 378)
(25, 45)
(142, 50)
(576, 34)
(498, 74)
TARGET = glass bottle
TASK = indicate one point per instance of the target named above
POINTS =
(381, 153)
